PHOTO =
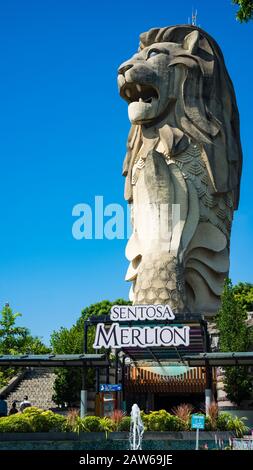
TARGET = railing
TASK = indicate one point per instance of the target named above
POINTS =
(245, 443)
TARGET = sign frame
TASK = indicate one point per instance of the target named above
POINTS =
(198, 421)
(109, 388)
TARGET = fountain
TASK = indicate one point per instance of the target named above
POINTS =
(136, 429)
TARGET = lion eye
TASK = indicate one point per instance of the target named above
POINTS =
(152, 53)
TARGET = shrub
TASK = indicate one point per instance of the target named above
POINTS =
(92, 424)
(52, 421)
(44, 421)
(33, 420)
(15, 423)
(145, 420)
(31, 411)
(36, 420)
(164, 421)
(124, 425)
(158, 420)
(174, 423)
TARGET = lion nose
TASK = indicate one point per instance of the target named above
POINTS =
(123, 68)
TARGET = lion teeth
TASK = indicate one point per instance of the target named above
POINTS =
(128, 93)
(138, 87)
(121, 81)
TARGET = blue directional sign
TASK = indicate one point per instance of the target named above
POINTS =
(105, 388)
(198, 422)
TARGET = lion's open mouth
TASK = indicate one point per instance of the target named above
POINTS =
(133, 92)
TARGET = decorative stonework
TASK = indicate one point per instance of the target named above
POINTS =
(183, 152)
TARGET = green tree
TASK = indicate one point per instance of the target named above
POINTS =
(244, 294)
(245, 11)
(11, 336)
(67, 385)
(71, 341)
(16, 340)
(234, 337)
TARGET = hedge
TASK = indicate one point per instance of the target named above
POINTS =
(36, 420)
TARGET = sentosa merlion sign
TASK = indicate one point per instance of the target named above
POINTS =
(120, 336)
(182, 168)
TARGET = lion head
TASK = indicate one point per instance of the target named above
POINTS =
(178, 76)
(147, 82)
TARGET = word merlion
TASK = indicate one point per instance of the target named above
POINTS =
(182, 168)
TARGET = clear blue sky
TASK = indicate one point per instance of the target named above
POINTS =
(63, 131)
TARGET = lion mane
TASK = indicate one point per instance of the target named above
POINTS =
(202, 170)
(211, 120)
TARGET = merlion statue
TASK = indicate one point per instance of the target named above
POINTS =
(182, 168)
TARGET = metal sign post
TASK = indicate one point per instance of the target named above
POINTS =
(197, 439)
(197, 422)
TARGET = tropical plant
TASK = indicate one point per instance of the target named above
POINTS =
(107, 424)
(227, 422)
(88, 424)
(76, 426)
(238, 426)
(223, 420)
(116, 418)
(183, 412)
(71, 418)
(213, 412)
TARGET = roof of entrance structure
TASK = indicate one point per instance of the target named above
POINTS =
(220, 359)
(54, 360)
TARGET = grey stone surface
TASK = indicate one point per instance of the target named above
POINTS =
(38, 385)
(182, 168)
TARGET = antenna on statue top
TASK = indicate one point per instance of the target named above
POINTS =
(194, 17)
